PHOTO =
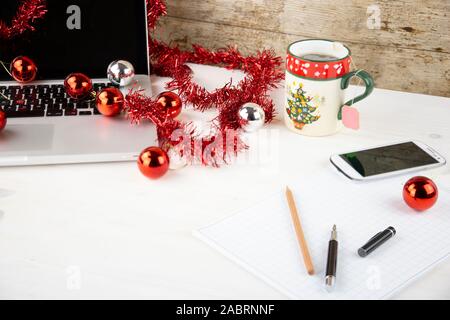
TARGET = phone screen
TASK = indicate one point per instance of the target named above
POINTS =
(388, 159)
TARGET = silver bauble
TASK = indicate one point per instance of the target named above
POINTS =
(252, 117)
(177, 161)
(121, 73)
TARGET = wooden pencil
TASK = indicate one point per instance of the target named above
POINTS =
(299, 232)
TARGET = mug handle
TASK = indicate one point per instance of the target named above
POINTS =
(368, 81)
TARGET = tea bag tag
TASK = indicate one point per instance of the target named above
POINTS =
(350, 117)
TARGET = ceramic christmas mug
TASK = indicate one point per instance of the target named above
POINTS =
(317, 74)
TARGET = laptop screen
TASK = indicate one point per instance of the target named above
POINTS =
(80, 36)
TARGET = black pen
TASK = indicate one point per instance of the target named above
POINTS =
(330, 278)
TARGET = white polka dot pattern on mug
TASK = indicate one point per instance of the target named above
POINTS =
(318, 70)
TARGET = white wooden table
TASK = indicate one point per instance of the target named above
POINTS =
(104, 231)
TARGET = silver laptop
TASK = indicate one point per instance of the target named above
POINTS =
(44, 125)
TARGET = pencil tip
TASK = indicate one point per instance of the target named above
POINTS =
(287, 189)
(334, 228)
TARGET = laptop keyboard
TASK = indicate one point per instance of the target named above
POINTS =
(44, 101)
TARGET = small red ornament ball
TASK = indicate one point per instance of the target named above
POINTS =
(23, 69)
(78, 85)
(153, 163)
(110, 102)
(171, 102)
(420, 193)
(3, 120)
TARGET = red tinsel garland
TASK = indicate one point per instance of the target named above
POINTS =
(263, 74)
(27, 13)
(211, 150)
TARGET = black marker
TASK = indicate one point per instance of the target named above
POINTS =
(330, 278)
(376, 242)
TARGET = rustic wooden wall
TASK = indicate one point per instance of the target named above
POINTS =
(410, 51)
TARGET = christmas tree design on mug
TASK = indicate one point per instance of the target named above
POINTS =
(301, 108)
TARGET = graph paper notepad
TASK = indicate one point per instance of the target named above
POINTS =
(262, 239)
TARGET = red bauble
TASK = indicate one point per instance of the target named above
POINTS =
(171, 102)
(78, 85)
(23, 69)
(153, 163)
(3, 120)
(110, 102)
(420, 193)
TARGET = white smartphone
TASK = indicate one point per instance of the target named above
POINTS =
(386, 161)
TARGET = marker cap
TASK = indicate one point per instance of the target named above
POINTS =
(377, 241)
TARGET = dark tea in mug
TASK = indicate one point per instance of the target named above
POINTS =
(319, 57)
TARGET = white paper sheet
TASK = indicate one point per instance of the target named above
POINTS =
(262, 239)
